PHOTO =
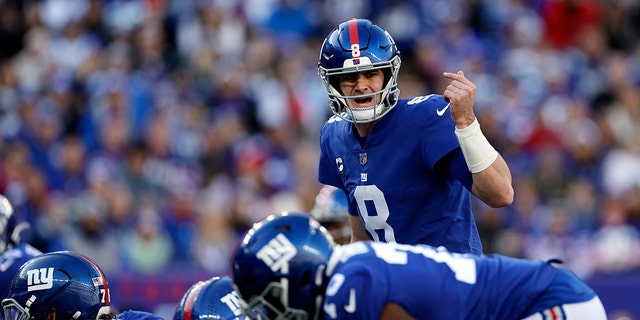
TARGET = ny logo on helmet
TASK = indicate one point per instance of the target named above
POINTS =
(277, 253)
(232, 300)
(39, 279)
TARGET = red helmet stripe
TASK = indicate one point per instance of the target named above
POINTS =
(107, 296)
(353, 31)
(188, 305)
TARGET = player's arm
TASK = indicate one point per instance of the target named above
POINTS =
(358, 232)
(392, 311)
(491, 175)
(493, 184)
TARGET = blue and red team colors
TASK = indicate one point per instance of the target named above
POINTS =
(401, 193)
(444, 285)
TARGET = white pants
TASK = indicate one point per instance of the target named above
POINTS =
(589, 310)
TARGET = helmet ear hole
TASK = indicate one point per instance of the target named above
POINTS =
(387, 74)
(335, 106)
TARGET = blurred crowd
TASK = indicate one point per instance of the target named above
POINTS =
(149, 134)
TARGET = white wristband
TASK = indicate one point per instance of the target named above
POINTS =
(478, 152)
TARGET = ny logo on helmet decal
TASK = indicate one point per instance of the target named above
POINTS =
(39, 279)
(277, 253)
(232, 300)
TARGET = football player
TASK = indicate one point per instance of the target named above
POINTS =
(211, 299)
(408, 165)
(288, 265)
(63, 285)
(332, 210)
(58, 285)
(13, 251)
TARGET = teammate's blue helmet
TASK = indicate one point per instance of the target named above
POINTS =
(7, 222)
(330, 205)
(211, 299)
(62, 284)
(331, 209)
(358, 45)
(11, 228)
(279, 267)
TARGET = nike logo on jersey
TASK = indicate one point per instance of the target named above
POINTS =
(440, 112)
(351, 307)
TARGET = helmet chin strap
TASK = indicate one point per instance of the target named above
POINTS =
(284, 295)
(372, 113)
(368, 114)
(318, 283)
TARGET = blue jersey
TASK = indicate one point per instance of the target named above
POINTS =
(10, 261)
(137, 315)
(392, 179)
(430, 283)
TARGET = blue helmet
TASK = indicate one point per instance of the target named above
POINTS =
(7, 222)
(278, 268)
(11, 228)
(63, 282)
(358, 45)
(330, 205)
(211, 299)
(331, 209)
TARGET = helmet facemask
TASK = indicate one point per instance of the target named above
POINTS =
(383, 100)
(14, 311)
(278, 268)
(273, 303)
(7, 222)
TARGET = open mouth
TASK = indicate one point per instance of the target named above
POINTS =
(365, 100)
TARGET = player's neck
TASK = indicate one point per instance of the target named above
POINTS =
(364, 129)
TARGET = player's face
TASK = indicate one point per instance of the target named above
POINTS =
(359, 83)
(340, 231)
(51, 313)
